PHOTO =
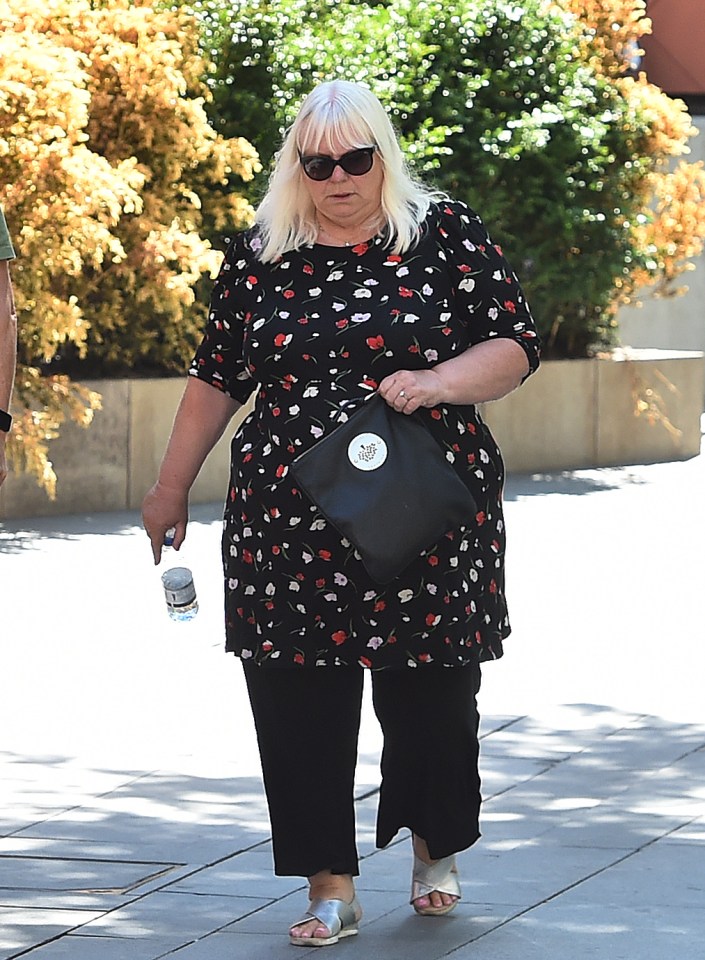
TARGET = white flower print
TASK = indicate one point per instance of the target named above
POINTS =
(371, 282)
(270, 589)
(405, 595)
(370, 595)
(493, 313)
(362, 292)
(246, 654)
(294, 585)
(335, 275)
(484, 456)
(316, 431)
(410, 318)
(311, 391)
(233, 583)
(427, 289)
(375, 643)
(318, 524)
(314, 292)
(402, 271)
(431, 355)
(249, 590)
(307, 557)
(432, 589)
(497, 275)
(360, 317)
(341, 579)
(467, 284)
(294, 410)
(330, 597)
(337, 306)
(258, 323)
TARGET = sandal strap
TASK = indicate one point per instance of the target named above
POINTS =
(441, 877)
(333, 914)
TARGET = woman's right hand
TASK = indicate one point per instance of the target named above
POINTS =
(163, 508)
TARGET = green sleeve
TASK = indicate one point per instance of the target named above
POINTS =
(6, 251)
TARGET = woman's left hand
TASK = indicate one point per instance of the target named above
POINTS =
(407, 390)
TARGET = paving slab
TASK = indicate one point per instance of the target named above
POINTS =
(23, 927)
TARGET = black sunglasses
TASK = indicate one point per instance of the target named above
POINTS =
(354, 162)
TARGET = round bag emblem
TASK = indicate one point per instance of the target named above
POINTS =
(367, 451)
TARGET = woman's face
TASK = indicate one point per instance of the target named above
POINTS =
(345, 199)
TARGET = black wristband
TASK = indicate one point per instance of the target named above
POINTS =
(5, 421)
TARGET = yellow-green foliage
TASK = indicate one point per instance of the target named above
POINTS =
(110, 175)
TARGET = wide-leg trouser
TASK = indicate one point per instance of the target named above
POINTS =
(307, 724)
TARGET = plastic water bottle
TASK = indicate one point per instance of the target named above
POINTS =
(179, 588)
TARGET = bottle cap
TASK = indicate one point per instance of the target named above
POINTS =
(179, 588)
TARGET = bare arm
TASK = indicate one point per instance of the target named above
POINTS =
(485, 371)
(202, 416)
(8, 352)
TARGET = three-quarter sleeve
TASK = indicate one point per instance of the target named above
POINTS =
(488, 297)
(219, 359)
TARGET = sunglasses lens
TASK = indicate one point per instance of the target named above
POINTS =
(356, 163)
(318, 168)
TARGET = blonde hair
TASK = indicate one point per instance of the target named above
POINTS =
(338, 112)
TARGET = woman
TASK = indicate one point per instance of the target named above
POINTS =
(354, 279)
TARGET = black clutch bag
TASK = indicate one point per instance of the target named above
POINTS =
(384, 482)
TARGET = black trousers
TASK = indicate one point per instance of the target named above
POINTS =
(307, 724)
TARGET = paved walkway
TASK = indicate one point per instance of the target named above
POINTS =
(133, 825)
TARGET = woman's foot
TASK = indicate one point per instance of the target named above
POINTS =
(437, 891)
(344, 911)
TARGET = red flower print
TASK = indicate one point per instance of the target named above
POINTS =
(480, 517)
(380, 605)
(276, 411)
(218, 357)
(432, 619)
(342, 323)
(299, 658)
(340, 636)
(308, 269)
(269, 605)
(360, 248)
(432, 560)
(493, 586)
(393, 258)
(252, 279)
(472, 428)
(324, 554)
(281, 470)
(464, 268)
(289, 294)
(300, 576)
(424, 657)
(414, 348)
(275, 512)
(280, 340)
(276, 549)
(510, 306)
(267, 646)
(498, 249)
(436, 414)
(364, 662)
(446, 331)
(471, 458)
(375, 343)
(405, 292)
(247, 556)
(320, 583)
(391, 638)
(369, 382)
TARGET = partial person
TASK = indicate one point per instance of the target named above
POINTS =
(355, 278)
(8, 341)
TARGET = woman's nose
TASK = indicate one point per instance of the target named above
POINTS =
(338, 174)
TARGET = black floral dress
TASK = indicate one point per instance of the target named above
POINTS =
(315, 332)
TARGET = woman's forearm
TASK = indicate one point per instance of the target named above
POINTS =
(202, 416)
(487, 371)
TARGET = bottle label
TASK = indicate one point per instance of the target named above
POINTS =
(179, 588)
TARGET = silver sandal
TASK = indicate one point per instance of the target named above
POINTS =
(439, 877)
(341, 919)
